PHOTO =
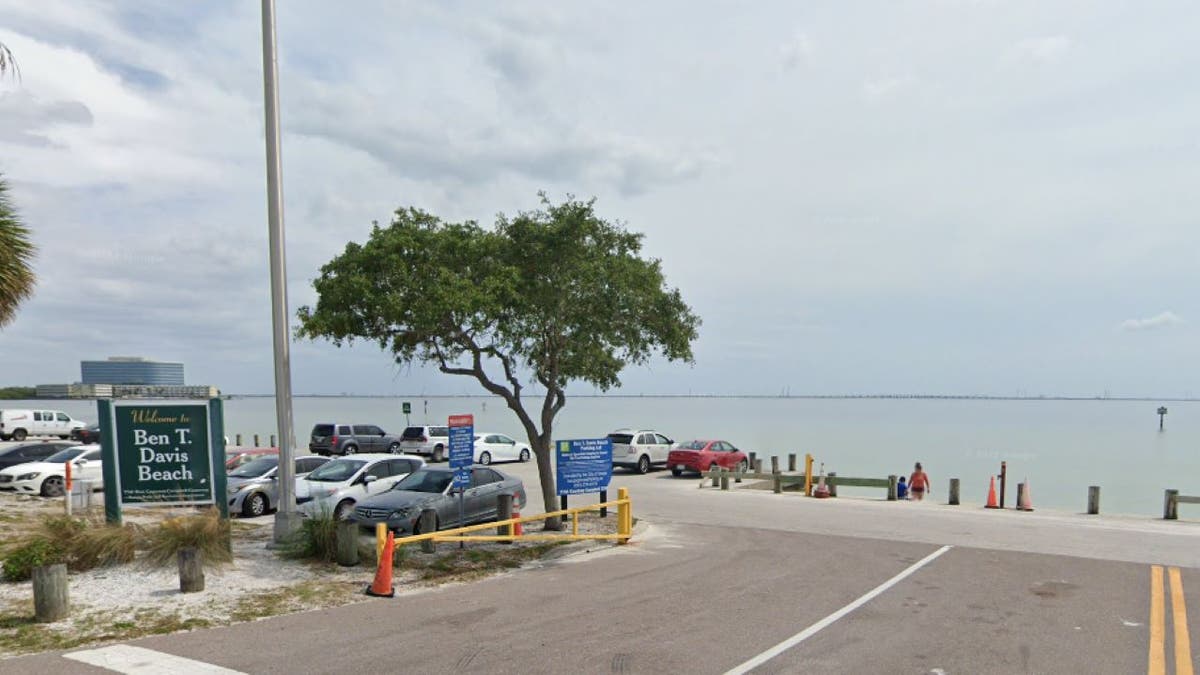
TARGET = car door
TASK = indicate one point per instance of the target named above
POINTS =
(367, 442)
(662, 446)
(726, 455)
(506, 447)
(383, 478)
(483, 496)
(88, 467)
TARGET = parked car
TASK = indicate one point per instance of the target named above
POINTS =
(491, 447)
(88, 434)
(639, 449)
(48, 477)
(253, 487)
(431, 441)
(337, 486)
(432, 488)
(235, 457)
(700, 456)
(30, 452)
(17, 425)
(350, 439)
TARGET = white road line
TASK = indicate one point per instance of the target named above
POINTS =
(823, 623)
(140, 661)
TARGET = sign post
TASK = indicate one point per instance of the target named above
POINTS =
(462, 456)
(164, 454)
(583, 466)
(407, 409)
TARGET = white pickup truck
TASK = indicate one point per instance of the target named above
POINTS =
(17, 425)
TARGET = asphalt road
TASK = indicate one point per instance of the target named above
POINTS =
(715, 579)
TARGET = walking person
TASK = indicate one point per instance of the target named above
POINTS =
(918, 483)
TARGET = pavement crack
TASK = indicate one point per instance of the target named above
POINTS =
(621, 662)
(465, 660)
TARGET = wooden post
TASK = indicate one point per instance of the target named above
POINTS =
(1020, 505)
(256, 444)
(191, 570)
(1003, 481)
(50, 601)
(504, 512)
(753, 455)
(347, 543)
(1093, 500)
(237, 439)
(724, 480)
(737, 474)
(778, 482)
(954, 492)
(1170, 506)
(758, 466)
(715, 474)
(428, 523)
(273, 443)
(791, 461)
(832, 484)
(774, 463)
(891, 494)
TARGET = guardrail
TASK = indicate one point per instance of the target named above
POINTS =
(1171, 502)
(624, 526)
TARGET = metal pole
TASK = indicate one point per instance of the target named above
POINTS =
(286, 518)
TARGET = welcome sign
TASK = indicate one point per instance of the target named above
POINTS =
(166, 454)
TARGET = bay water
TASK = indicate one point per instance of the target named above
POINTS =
(1059, 446)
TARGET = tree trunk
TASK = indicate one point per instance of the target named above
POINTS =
(541, 450)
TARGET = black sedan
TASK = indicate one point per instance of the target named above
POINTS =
(88, 434)
(30, 452)
(433, 487)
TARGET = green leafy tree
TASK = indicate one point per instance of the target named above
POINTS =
(16, 259)
(547, 297)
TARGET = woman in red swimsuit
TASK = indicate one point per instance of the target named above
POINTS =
(918, 483)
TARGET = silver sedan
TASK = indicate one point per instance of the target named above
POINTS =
(253, 488)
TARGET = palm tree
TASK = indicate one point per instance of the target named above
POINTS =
(16, 258)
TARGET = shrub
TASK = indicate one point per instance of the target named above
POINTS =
(103, 546)
(37, 551)
(316, 539)
(207, 532)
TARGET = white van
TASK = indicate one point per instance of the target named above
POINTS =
(18, 424)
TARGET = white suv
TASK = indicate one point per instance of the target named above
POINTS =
(639, 449)
(338, 485)
(433, 441)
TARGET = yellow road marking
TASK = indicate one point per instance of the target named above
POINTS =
(1183, 645)
(1158, 652)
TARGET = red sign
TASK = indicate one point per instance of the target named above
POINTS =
(462, 420)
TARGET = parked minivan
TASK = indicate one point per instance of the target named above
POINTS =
(18, 424)
(349, 439)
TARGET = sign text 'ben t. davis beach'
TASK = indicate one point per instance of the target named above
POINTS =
(584, 465)
(163, 454)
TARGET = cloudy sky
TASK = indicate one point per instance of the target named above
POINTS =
(938, 197)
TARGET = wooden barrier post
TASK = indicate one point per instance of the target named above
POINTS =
(237, 439)
(50, 597)
(791, 461)
(256, 443)
(758, 466)
(891, 493)
(954, 492)
(753, 455)
(737, 474)
(831, 483)
(774, 463)
(347, 543)
(1170, 506)
(777, 479)
(724, 479)
(191, 570)
(715, 474)
(427, 524)
(504, 508)
(1003, 481)
(273, 443)
(1093, 500)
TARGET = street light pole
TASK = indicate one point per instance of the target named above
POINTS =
(286, 518)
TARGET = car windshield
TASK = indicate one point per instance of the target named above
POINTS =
(693, 445)
(425, 481)
(255, 468)
(337, 471)
(621, 439)
(63, 456)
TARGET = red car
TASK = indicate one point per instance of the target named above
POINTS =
(235, 457)
(700, 456)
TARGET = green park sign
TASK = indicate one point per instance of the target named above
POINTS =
(162, 454)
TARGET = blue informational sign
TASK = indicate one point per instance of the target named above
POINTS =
(462, 448)
(583, 465)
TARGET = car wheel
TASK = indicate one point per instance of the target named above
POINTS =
(64, 436)
(743, 466)
(524, 454)
(350, 449)
(643, 465)
(676, 472)
(344, 509)
(394, 448)
(485, 457)
(437, 453)
(52, 486)
(18, 435)
(255, 505)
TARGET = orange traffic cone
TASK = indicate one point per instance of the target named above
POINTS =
(382, 586)
(992, 503)
(518, 530)
(1026, 503)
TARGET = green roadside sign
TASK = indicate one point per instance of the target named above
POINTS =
(407, 407)
(163, 454)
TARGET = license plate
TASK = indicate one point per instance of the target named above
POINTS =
(679, 467)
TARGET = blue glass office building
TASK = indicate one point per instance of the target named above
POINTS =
(131, 370)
